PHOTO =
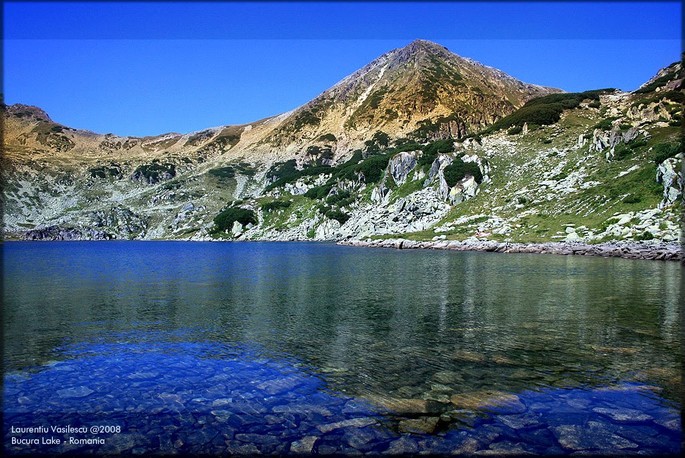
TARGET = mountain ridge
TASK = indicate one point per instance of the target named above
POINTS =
(292, 122)
(466, 152)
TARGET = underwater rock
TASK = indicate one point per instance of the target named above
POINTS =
(304, 445)
(352, 422)
(75, 392)
(424, 425)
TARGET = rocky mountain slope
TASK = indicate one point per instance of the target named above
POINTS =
(420, 142)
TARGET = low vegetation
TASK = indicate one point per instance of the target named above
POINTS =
(154, 172)
(224, 221)
(431, 151)
(275, 205)
(459, 169)
(663, 151)
(545, 110)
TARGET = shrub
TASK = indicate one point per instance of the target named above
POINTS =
(337, 215)
(638, 143)
(104, 171)
(245, 169)
(379, 140)
(373, 167)
(307, 117)
(622, 151)
(224, 220)
(515, 130)
(286, 172)
(675, 96)
(282, 170)
(546, 109)
(406, 146)
(646, 235)
(664, 151)
(222, 172)
(327, 138)
(632, 199)
(429, 127)
(320, 154)
(431, 151)
(318, 192)
(604, 124)
(275, 205)
(458, 169)
(154, 172)
(662, 80)
(335, 198)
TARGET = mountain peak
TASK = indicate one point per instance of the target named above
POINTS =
(421, 44)
(419, 90)
(27, 111)
(418, 49)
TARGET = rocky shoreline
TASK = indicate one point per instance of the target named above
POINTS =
(661, 251)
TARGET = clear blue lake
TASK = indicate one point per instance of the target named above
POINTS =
(278, 348)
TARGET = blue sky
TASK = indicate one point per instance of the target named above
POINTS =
(150, 68)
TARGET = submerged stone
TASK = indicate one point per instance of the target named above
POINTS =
(407, 406)
(595, 437)
(352, 422)
(280, 385)
(623, 415)
(143, 375)
(467, 447)
(672, 423)
(424, 425)
(75, 392)
(507, 448)
(239, 448)
(502, 402)
(447, 377)
(359, 438)
(519, 421)
(304, 445)
(402, 446)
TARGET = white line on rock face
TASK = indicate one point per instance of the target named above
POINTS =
(368, 90)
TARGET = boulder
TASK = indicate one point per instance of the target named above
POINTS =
(237, 228)
(401, 165)
(672, 180)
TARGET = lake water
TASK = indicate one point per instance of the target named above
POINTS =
(278, 348)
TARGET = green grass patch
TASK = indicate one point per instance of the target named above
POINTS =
(408, 187)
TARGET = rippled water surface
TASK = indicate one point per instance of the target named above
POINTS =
(313, 348)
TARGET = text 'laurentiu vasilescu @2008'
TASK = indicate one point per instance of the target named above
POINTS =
(58, 435)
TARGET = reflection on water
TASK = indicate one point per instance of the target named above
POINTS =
(436, 338)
